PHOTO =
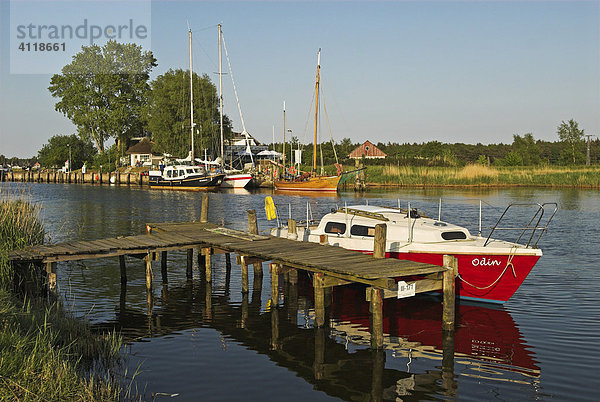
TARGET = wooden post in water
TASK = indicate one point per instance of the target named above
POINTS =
(123, 268)
(274, 268)
(319, 291)
(376, 318)
(448, 382)
(207, 264)
(163, 266)
(204, 210)
(252, 224)
(148, 260)
(51, 277)
(244, 274)
(190, 263)
(451, 265)
(380, 240)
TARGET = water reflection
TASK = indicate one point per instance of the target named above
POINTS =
(337, 359)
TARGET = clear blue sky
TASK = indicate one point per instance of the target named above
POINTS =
(393, 71)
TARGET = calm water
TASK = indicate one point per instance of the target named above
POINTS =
(188, 341)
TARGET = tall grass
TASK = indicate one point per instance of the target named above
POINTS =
(20, 227)
(479, 175)
(45, 354)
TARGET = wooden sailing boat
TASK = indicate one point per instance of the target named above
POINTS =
(311, 181)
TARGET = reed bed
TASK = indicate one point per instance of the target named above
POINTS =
(479, 175)
(45, 354)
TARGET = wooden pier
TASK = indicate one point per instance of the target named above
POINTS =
(329, 266)
(77, 177)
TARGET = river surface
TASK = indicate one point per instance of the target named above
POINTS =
(190, 341)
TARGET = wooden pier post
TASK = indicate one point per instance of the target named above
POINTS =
(292, 231)
(204, 210)
(190, 263)
(123, 269)
(258, 271)
(252, 224)
(207, 252)
(244, 274)
(377, 375)
(376, 318)
(163, 266)
(380, 240)
(319, 291)
(51, 277)
(448, 312)
(275, 269)
(148, 260)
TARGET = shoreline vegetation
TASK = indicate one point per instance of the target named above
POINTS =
(45, 353)
(474, 175)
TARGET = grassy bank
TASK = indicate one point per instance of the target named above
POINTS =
(44, 353)
(478, 175)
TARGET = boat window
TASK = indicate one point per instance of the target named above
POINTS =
(360, 230)
(335, 227)
(169, 173)
(190, 171)
(454, 235)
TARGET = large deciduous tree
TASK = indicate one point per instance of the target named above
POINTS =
(103, 91)
(572, 136)
(168, 116)
(56, 151)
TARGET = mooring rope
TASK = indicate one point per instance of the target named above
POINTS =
(509, 263)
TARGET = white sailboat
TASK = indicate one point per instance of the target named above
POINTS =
(233, 179)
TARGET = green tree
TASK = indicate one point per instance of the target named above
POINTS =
(103, 91)
(168, 114)
(572, 136)
(527, 149)
(513, 159)
(56, 151)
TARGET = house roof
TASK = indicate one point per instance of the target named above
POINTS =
(142, 147)
(368, 149)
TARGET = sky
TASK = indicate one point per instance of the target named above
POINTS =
(391, 71)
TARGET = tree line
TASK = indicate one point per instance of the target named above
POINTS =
(570, 149)
(107, 94)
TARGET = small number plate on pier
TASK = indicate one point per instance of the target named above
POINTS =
(405, 289)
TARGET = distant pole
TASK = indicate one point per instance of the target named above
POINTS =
(588, 160)
(284, 137)
(69, 145)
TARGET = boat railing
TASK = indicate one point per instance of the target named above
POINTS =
(365, 214)
(534, 229)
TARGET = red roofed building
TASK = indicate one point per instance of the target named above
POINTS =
(368, 150)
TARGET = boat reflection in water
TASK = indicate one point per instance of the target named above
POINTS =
(418, 359)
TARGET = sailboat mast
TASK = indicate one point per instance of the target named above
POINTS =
(191, 98)
(221, 95)
(284, 135)
(316, 110)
